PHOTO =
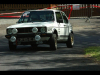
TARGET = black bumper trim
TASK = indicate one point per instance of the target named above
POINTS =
(28, 35)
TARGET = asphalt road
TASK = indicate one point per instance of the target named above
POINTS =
(43, 59)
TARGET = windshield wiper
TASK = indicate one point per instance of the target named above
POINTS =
(23, 22)
(39, 20)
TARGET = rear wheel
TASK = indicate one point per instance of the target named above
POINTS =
(11, 46)
(70, 41)
(53, 42)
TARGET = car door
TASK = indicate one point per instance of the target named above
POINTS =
(66, 24)
(61, 26)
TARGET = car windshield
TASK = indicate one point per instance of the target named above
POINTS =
(36, 16)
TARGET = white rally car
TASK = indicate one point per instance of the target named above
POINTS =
(41, 27)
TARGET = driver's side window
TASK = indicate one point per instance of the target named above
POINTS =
(64, 18)
(58, 16)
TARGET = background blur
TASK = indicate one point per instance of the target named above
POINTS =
(83, 11)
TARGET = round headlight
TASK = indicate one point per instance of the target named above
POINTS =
(9, 31)
(13, 39)
(14, 31)
(37, 37)
(34, 30)
(43, 30)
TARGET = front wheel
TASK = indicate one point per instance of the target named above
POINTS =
(53, 42)
(11, 46)
(70, 41)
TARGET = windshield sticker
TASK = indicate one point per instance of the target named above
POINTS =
(26, 14)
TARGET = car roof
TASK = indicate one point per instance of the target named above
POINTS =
(45, 10)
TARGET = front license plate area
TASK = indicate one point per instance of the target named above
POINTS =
(39, 42)
(25, 39)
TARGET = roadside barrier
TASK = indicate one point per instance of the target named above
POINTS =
(23, 11)
(10, 16)
(67, 6)
(11, 13)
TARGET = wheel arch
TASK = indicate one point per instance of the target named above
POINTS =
(72, 32)
(55, 32)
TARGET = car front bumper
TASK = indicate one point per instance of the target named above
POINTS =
(8, 36)
(44, 38)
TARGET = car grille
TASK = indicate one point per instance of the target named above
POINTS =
(26, 30)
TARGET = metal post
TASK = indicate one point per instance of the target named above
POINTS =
(91, 12)
(88, 13)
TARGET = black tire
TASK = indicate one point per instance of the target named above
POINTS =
(53, 42)
(11, 46)
(70, 41)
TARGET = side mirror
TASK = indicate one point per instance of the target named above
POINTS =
(60, 21)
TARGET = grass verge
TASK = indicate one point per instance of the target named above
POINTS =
(94, 52)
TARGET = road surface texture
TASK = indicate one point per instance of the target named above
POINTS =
(43, 59)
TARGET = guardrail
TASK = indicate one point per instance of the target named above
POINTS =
(85, 10)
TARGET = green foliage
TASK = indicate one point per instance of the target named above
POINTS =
(93, 51)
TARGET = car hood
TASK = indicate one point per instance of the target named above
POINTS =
(34, 24)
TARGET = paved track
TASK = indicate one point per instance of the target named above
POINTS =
(63, 59)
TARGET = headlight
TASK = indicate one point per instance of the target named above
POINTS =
(34, 30)
(37, 37)
(14, 31)
(43, 30)
(9, 31)
(13, 39)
